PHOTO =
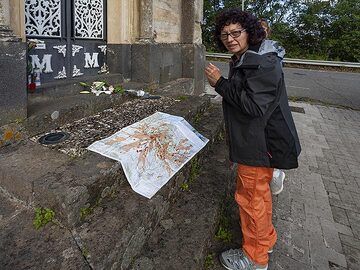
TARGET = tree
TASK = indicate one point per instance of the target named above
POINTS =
(211, 8)
(344, 32)
(313, 29)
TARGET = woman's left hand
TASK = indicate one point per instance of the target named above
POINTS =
(213, 74)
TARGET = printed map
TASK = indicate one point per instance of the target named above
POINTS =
(152, 150)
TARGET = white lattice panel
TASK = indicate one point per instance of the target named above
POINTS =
(43, 18)
(89, 19)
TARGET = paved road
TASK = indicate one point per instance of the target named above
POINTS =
(341, 88)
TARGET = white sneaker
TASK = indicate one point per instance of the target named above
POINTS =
(277, 182)
(235, 259)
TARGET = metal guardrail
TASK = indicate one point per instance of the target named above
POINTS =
(299, 61)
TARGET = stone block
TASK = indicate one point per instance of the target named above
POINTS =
(321, 255)
(343, 205)
(300, 244)
(13, 82)
(331, 236)
(156, 63)
(349, 241)
(19, 169)
(193, 64)
(77, 185)
(51, 247)
(319, 207)
(329, 185)
(119, 59)
(352, 257)
(340, 215)
(281, 261)
(354, 220)
(345, 196)
(343, 229)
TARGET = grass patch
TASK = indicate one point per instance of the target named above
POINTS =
(184, 186)
(193, 174)
(223, 233)
(42, 217)
(86, 211)
(85, 252)
(209, 261)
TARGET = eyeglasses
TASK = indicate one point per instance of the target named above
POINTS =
(233, 34)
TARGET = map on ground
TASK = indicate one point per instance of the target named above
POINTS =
(152, 150)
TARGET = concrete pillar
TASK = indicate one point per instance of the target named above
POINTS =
(192, 49)
(17, 18)
(146, 17)
(122, 21)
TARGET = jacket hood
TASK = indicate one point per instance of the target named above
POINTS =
(267, 46)
(271, 46)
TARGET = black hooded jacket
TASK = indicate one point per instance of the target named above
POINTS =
(259, 125)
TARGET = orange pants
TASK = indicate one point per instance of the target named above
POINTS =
(253, 196)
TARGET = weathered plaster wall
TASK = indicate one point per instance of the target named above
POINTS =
(167, 21)
(17, 18)
(122, 21)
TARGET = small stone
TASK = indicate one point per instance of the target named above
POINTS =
(55, 115)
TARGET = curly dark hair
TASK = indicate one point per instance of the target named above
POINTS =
(248, 21)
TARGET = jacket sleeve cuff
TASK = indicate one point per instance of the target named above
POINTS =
(218, 85)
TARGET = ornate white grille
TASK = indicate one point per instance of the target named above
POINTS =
(89, 19)
(76, 49)
(43, 18)
(61, 49)
(77, 72)
(61, 74)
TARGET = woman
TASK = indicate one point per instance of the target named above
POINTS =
(260, 130)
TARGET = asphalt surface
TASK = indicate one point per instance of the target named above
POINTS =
(339, 88)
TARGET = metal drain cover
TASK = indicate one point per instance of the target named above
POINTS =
(53, 138)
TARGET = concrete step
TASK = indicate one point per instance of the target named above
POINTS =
(182, 239)
(117, 227)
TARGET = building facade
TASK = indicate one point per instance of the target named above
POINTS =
(62, 41)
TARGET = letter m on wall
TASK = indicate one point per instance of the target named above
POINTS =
(45, 63)
(91, 60)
